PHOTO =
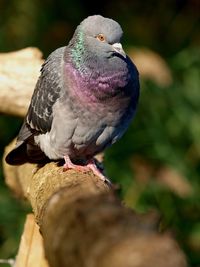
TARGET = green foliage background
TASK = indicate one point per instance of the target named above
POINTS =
(166, 130)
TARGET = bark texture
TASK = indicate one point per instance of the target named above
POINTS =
(18, 75)
(84, 224)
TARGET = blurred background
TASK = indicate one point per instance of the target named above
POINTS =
(157, 162)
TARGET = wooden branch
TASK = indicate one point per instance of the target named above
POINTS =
(18, 75)
(31, 246)
(82, 222)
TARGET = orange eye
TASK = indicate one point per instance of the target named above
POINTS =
(101, 37)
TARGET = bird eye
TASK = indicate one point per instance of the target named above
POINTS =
(101, 37)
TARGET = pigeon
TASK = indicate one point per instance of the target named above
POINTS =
(83, 101)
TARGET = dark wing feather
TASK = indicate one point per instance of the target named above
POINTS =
(39, 117)
(47, 91)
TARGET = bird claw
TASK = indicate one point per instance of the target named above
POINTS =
(91, 165)
(70, 165)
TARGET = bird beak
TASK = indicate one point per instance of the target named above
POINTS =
(118, 48)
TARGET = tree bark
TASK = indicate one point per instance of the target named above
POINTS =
(18, 75)
(84, 224)
(82, 221)
(31, 251)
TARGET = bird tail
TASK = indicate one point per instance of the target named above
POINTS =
(24, 153)
(18, 155)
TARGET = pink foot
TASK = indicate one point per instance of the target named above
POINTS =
(69, 165)
(91, 165)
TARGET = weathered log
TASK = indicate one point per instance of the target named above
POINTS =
(18, 75)
(31, 251)
(84, 224)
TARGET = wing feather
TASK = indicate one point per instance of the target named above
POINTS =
(46, 93)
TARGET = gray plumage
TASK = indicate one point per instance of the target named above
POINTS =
(84, 99)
